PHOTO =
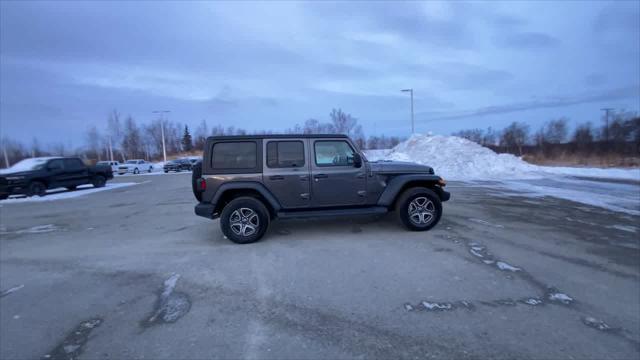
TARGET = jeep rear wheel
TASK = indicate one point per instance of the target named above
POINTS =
(244, 220)
(419, 209)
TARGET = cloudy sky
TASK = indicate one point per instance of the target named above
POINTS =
(269, 65)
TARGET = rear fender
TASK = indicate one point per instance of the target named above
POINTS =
(247, 185)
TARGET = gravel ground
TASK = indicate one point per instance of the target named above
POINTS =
(132, 273)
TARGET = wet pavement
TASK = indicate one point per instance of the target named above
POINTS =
(132, 273)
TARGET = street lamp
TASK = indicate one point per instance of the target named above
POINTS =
(411, 92)
(161, 112)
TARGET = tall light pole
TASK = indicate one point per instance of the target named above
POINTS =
(411, 92)
(164, 149)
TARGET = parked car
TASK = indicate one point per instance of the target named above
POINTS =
(247, 181)
(35, 175)
(113, 164)
(135, 167)
(194, 160)
(177, 165)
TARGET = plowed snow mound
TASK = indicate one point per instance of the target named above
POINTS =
(460, 159)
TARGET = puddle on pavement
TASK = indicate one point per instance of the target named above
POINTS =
(71, 347)
(170, 305)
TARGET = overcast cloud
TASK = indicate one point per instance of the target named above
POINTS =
(270, 65)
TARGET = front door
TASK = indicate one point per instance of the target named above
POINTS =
(286, 171)
(335, 181)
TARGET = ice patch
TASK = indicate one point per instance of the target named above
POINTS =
(171, 305)
(596, 324)
(560, 297)
(630, 229)
(483, 222)
(38, 229)
(506, 267)
(532, 301)
(11, 290)
(436, 306)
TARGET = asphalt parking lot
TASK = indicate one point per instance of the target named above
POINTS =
(133, 273)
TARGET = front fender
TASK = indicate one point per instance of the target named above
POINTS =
(396, 184)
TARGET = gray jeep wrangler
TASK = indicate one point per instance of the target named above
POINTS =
(247, 181)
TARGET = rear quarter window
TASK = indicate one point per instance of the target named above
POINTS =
(234, 155)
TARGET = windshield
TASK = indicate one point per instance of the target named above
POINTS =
(27, 165)
(131, 161)
(102, 163)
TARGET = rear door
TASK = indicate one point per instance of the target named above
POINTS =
(286, 171)
(76, 172)
(56, 173)
(335, 181)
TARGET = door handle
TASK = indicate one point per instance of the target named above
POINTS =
(276, 177)
(320, 176)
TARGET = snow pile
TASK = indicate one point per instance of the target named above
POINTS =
(460, 159)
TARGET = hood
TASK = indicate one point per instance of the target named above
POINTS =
(399, 167)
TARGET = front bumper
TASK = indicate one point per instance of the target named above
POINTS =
(445, 196)
(205, 210)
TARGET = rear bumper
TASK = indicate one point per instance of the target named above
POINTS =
(205, 210)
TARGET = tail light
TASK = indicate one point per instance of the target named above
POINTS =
(202, 184)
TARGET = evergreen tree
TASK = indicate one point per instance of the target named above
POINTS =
(187, 143)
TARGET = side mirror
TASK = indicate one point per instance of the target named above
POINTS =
(357, 160)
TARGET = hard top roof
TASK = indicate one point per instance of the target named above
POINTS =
(277, 136)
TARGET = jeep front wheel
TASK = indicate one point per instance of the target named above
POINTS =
(419, 209)
(244, 220)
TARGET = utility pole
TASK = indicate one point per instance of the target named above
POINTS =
(411, 92)
(164, 149)
(6, 157)
(606, 119)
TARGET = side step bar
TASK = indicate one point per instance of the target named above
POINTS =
(299, 214)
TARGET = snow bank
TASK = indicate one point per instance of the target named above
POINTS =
(456, 158)
(459, 159)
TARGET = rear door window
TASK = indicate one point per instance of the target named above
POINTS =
(73, 164)
(285, 154)
(234, 155)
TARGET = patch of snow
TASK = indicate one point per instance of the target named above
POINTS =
(560, 297)
(506, 267)
(436, 306)
(484, 222)
(630, 229)
(608, 173)
(38, 229)
(596, 324)
(533, 301)
(61, 194)
(11, 290)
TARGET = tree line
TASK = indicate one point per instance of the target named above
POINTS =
(122, 138)
(618, 136)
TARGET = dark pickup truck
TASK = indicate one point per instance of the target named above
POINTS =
(35, 175)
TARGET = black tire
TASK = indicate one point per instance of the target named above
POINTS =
(98, 181)
(4, 196)
(150, 169)
(166, 171)
(235, 208)
(136, 171)
(37, 188)
(432, 205)
(71, 188)
(195, 175)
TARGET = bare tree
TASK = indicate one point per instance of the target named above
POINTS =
(583, 138)
(93, 142)
(343, 123)
(131, 141)
(555, 131)
(202, 131)
(514, 136)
